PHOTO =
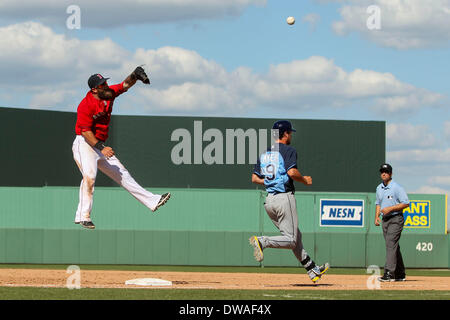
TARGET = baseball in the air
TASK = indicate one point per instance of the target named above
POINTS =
(290, 20)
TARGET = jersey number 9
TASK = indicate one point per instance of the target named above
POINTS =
(269, 172)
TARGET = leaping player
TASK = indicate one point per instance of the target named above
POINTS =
(91, 153)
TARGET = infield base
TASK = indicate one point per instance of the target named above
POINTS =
(148, 282)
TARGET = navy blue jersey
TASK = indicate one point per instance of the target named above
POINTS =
(273, 166)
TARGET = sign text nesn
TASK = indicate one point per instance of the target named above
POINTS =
(341, 213)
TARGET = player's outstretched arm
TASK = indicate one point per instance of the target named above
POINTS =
(297, 176)
(137, 74)
(129, 82)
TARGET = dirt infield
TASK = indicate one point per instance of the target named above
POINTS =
(212, 280)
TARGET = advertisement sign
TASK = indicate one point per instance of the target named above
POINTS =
(417, 215)
(341, 213)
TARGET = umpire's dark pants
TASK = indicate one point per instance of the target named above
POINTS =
(392, 230)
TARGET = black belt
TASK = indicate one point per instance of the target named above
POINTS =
(392, 215)
(275, 193)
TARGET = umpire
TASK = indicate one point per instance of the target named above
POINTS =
(391, 199)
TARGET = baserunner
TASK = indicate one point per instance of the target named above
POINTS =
(276, 169)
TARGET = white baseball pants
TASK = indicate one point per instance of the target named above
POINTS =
(90, 159)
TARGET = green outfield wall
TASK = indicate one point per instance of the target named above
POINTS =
(209, 227)
(214, 208)
(328, 150)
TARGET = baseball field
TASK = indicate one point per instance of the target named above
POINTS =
(103, 282)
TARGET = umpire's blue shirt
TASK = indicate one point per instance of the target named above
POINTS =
(390, 195)
(273, 166)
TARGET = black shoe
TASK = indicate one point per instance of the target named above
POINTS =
(87, 224)
(387, 277)
(162, 200)
(401, 277)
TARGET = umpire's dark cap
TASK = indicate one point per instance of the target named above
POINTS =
(283, 126)
(386, 167)
(95, 80)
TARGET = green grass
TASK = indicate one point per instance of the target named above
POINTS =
(202, 294)
(294, 270)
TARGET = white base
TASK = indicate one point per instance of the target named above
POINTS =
(148, 282)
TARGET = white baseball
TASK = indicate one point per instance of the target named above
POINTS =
(290, 20)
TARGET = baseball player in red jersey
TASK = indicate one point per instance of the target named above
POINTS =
(91, 153)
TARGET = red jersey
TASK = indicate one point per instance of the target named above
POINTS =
(94, 114)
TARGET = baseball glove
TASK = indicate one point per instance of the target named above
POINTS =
(141, 75)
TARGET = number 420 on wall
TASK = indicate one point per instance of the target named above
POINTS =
(424, 246)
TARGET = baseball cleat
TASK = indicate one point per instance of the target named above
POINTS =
(401, 277)
(87, 224)
(324, 268)
(162, 200)
(387, 277)
(257, 251)
(314, 274)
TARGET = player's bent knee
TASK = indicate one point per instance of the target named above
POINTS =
(292, 244)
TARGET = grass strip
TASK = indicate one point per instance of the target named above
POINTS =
(26, 293)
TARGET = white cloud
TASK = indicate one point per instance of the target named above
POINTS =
(440, 180)
(51, 98)
(420, 156)
(414, 100)
(402, 136)
(173, 65)
(431, 190)
(183, 80)
(404, 24)
(112, 13)
(320, 80)
(189, 97)
(37, 56)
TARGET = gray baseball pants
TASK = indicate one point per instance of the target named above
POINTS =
(282, 210)
(392, 230)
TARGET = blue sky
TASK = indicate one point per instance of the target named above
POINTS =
(260, 37)
(240, 58)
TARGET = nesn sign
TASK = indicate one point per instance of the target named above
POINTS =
(341, 213)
